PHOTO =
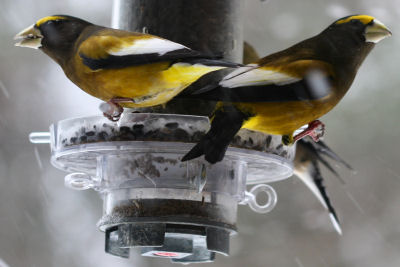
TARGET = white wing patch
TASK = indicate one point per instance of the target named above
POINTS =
(240, 71)
(148, 46)
(250, 75)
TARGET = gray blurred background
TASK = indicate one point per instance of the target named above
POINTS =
(42, 223)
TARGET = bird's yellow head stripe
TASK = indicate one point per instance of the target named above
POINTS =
(365, 19)
(49, 18)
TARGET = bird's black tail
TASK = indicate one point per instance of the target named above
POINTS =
(315, 152)
(226, 122)
(319, 182)
(320, 149)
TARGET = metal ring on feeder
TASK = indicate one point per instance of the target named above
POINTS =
(252, 198)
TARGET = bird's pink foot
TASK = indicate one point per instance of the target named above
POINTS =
(315, 130)
(112, 110)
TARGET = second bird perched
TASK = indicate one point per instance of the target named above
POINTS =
(286, 90)
(308, 157)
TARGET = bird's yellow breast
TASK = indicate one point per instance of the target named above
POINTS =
(148, 84)
(285, 118)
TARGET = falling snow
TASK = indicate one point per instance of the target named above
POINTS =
(42, 223)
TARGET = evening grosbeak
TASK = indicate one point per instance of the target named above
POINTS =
(308, 156)
(126, 69)
(306, 167)
(288, 89)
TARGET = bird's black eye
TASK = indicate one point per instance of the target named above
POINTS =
(54, 22)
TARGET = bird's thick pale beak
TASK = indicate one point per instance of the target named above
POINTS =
(31, 37)
(376, 32)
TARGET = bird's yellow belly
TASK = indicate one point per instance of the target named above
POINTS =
(148, 85)
(284, 118)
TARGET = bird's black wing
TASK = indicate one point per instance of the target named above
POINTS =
(113, 52)
(226, 122)
(252, 84)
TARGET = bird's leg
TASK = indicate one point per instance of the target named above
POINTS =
(287, 139)
(315, 130)
(112, 109)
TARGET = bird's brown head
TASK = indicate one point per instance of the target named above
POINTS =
(347, 41)
(365, 28)
(55, 35)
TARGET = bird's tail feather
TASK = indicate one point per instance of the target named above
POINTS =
(226, 122)
(318, 180)
(322, 148)
(312, 178)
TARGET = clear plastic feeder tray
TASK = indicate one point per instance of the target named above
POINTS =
(184, 211)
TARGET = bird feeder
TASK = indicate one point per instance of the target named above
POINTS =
(185, 211)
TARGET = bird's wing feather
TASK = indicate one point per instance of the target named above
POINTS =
(251, 75)
(110, 51)
(297, 81)
(226, 122)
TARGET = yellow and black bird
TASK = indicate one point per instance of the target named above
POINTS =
(126, 69)
(286, 90)
(308, 157)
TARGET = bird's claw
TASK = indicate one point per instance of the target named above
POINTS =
(112, 118)
(315, 130)
(111, 110)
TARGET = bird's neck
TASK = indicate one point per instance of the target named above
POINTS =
(345, 57)
(331, 48)
(60, 57)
